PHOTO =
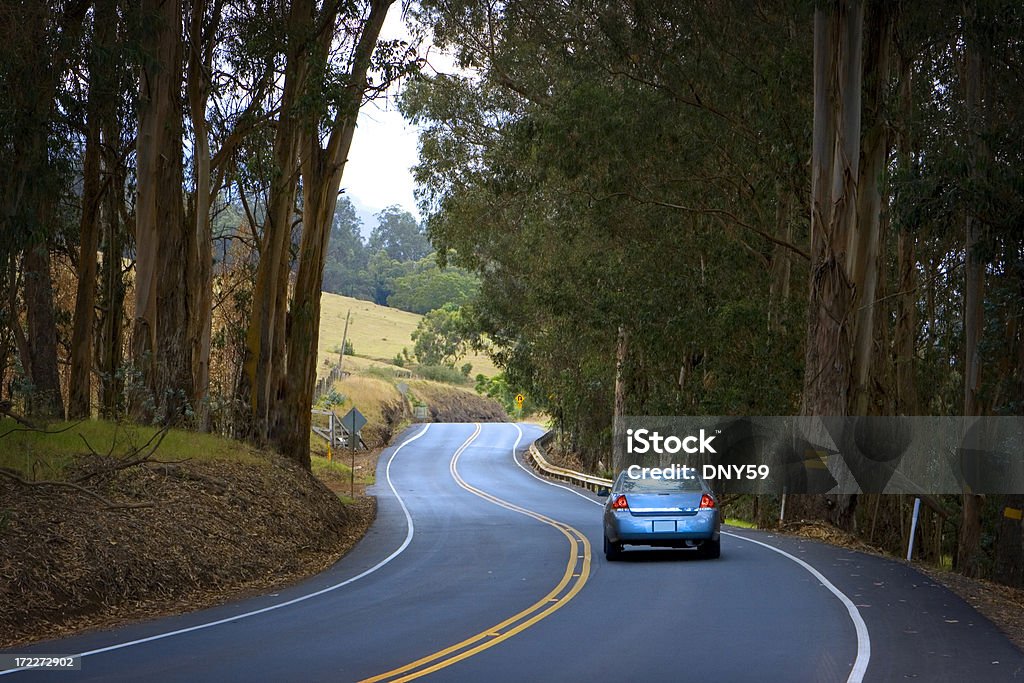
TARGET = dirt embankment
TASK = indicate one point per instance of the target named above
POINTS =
(452, 404)
(214, 531)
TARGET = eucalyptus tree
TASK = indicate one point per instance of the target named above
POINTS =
(612, 169)
(42, 42)
(333, 61)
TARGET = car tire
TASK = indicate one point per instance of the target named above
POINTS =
(712, 549)
(612, 551)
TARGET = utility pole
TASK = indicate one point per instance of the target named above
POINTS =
(344, 339)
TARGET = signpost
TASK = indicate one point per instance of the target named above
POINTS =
(354, 421)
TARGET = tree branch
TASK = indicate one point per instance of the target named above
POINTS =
(71, 485)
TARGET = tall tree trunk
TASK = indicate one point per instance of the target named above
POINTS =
(110, 340)
(99, 99)
(905, 332)
(322, 170)
(200, 57)
(619, 411)
(266, 321)
(110, 345)
(834, 172)
(162, 307)
(29, 202)
(864, 248)
(79, 385)
(969, 546)
(835, 160)
(41, 323)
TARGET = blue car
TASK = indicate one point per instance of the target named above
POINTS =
(664, 513)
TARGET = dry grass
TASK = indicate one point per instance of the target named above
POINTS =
(448, 403)
(378, 400)
(377, 333)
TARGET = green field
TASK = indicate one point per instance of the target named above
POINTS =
(377, 334)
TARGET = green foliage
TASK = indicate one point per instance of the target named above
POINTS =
(347, 260)
(332, 397)
(394, 268)
(399, 235)
(431, 288)
(50, 453)
(497, 388)
(587, 201)
(442, 337)
(441, 373)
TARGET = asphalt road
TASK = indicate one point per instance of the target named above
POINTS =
(478, 570)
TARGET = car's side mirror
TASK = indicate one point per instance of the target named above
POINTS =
(603, 493)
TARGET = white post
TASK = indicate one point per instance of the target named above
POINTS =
(913, 528)
(330, 419)
(782, 510)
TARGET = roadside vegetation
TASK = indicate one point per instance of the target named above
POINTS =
(824, 222)
(104, 522)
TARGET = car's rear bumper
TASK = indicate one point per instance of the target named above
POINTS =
(658, 530)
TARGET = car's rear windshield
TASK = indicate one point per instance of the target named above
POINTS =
(627, 484)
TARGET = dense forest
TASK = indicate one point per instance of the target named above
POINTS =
(793, 208)
(131, 129)
(743, 209)
(395, 267)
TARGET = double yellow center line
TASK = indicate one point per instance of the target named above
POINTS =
(577, 570)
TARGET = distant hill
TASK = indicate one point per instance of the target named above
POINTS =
(377, 334)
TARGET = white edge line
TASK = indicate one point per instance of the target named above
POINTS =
(301, 598)
(860, 663)
(540, 478)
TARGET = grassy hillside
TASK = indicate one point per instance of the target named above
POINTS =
(377, 333)
(378, 400)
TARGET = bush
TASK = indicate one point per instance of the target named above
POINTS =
(331, 398)
(441, 373)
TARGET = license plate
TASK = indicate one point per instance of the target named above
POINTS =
(668, 525)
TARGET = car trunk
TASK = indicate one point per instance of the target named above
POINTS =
(664, 504)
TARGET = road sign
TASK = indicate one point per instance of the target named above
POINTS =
(353, 421)
(519, 400)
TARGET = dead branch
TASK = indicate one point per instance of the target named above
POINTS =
(171, 470)
(5, 409)
(67, 484)
(137, 456)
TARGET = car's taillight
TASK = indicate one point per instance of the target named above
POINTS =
(706, 501)
(620, 503)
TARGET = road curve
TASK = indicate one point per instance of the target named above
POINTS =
(476, 569)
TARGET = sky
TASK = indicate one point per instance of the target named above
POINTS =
(384, 147)
(377, 175)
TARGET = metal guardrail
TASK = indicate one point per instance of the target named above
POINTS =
(541, 464)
